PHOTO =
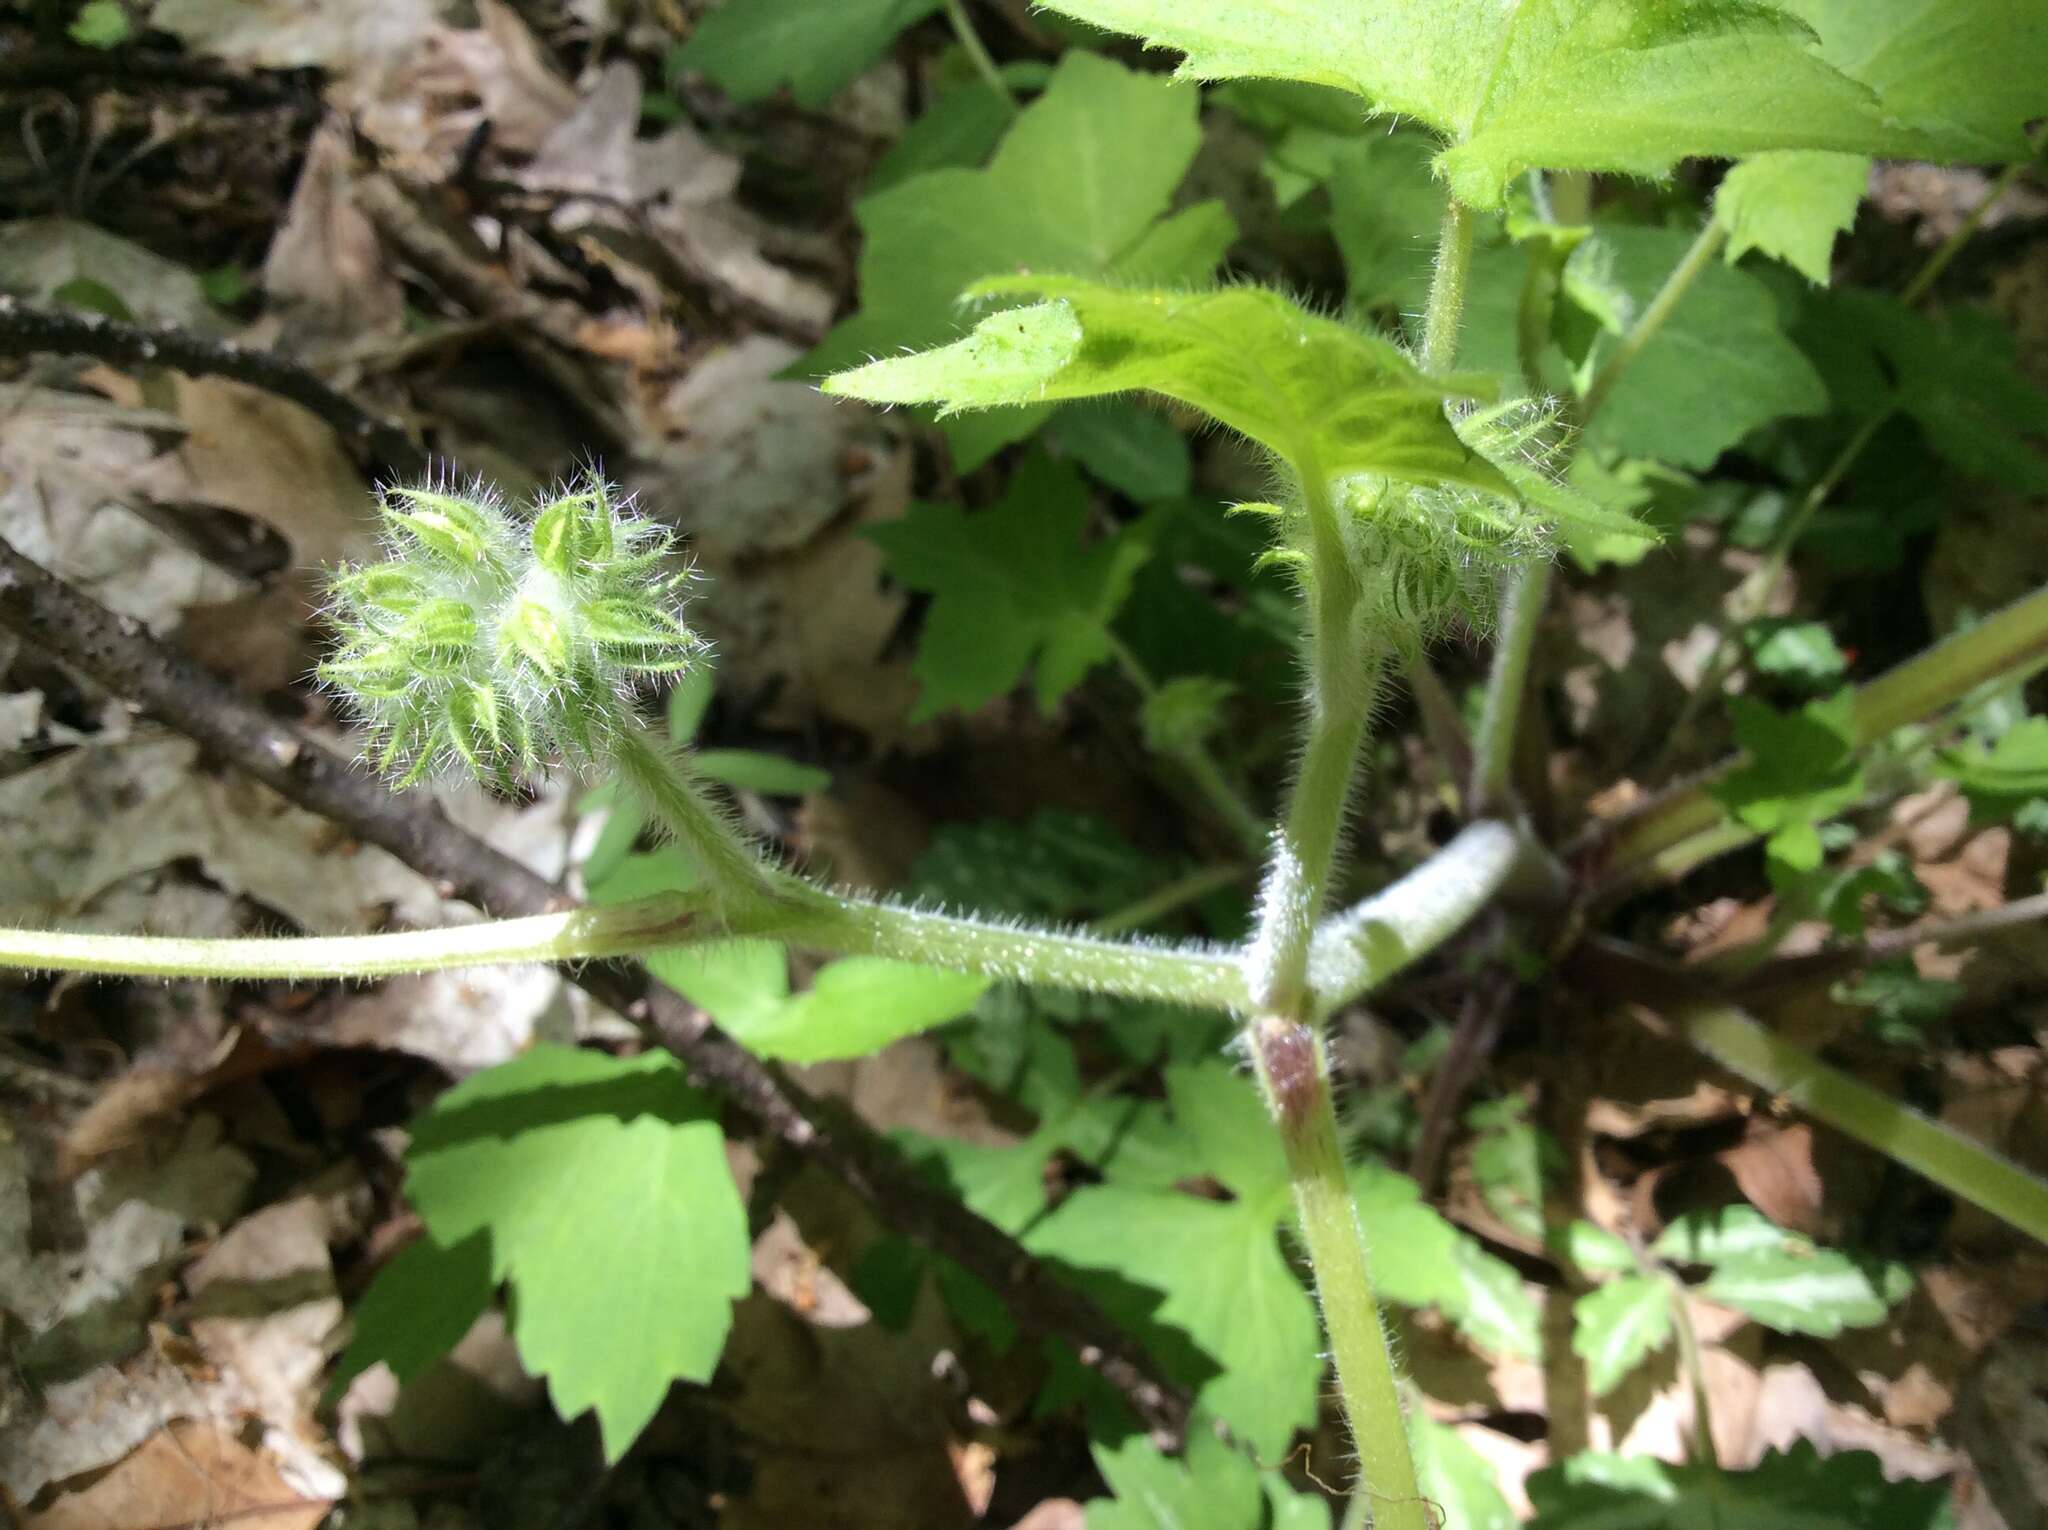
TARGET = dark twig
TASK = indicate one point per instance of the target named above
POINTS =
(115, 653)
(377, 443)
(1472, 1043)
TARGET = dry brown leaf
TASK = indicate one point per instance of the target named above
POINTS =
(325, 263)
(192, 1471)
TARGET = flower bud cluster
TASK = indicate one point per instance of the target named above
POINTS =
(492, 639)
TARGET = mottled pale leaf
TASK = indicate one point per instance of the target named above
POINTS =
(1819, 1292)
(1616, 1325)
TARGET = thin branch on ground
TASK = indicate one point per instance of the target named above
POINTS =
(115, 653)
(380, 446)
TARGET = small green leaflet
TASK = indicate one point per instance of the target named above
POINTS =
(1818, 1292)
(2004, 778)
(1801, 771)
(1079, 183)
(1010, 586)
(515, 1154)
(1791, 204)
(854, 1006)
(1804, 654)
(1614, 1326)
(100, 24)
(1326, 397)
(814, 46)
(1726, 1232)
(1793, 1490)
(1719, 367)
(1621, 85)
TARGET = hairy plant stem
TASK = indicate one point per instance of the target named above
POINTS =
(1346, 666)
(798, 912)
(977, 52)
(660, 775)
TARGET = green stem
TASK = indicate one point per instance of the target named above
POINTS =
(1294, 1068)
(578, 934)
(659, 773)
(2005, 647)
(1196, 760)
(1924, 279)
(1346, 667)
(1960, 1166)
(1447, 289)
(1693, 1358)
(1695, 260)
(1176, 894)
(1507, 682)
(977, 52)
(799, 913)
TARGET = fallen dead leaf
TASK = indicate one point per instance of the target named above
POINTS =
(191, 1471)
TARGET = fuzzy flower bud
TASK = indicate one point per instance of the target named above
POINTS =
(490, 639)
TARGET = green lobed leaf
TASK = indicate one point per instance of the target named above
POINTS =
(1791, 204)
(1615, 1326)
(1328, 398)
(1013, 587)
(1211, 1486)
(1804, 653)
(1596, 1251)
(1221, 1280)
(1720, 366)
(1385, 210)
(750, 47)
(1798, 1489)
(1801, 770)
(1978, 68)
(1618, 85)
(1958, 377)
(571, 1161)
(1079, 179)
(1052, 865)
(1818, 1292)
